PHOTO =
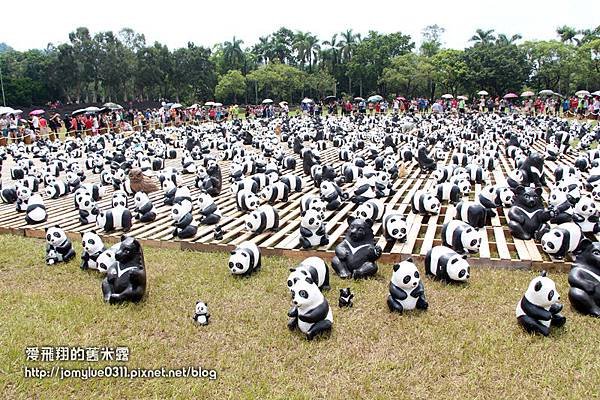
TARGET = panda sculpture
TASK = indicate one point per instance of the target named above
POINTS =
(312, 229)
(309, 201)
(527, 217)
(448, 191)
(332, 195)
(562, 239)
(584, 279)
(492, 197)
(36, 210)
(144, 208)
(293, 182)
(208, 209)
(263, 218)
(539, 309)
(313, 267)
(585, 214)
(57, 189)
(213, 182)
(473, 213)
(372, 209)
(245, 259)
(8, 194)
(118, 217)
(58, 246)
(246, 200)
(119, 198)
(181, 214)
(201, 314)
(126, 279)
(446, 264)
(88, 211)
(345, 298)
(275, 192)
(406, 288)
(461, 237)
(425, 203)
(356, 255)
(394, 227)
(426, 163)
(310, 312)
(93, 247)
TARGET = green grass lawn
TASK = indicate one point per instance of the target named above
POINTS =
(467, 345)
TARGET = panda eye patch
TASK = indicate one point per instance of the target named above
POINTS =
(303, 294)
(406, 279)
(461, 273)
(550, 295)
(417, 274)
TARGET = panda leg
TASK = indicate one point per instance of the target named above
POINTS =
(324, 240)
(365, 270)
(188, 232)
(292, 323)
(518, 231)
(544, 228)
(532, 325)
(305, 243)
(340, 268)
(69, 255)
(583, 302)
(394, 305)
(317, 328)
(211, 219)
(148, 217)
(326, 280)
(422, 303)
(106, 290)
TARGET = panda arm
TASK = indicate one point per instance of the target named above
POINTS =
(293, 312)
(397, 293)
(305, 232)
(317, 314)
(578, 218)
(145, 208)
(185, 221)
(321, 231)
(515, 214)
(534, 311)
(418, 291)
(361, 189)
(83, 213)
(594, 218)
(210, 209)
(579, 278)
(85, 256)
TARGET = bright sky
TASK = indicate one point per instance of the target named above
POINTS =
(208, 22)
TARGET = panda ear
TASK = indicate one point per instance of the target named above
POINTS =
(464, 256)
(123, 237)
(369, 222)
(544, 273)
(292, 269)
(538, 191)
(519, 190)
(538, 286)
(396, 267)
(303, 213)
(309, 280)
(585, 243)
(350, 219)
(81, 233)
(57, 226)
(409, 259)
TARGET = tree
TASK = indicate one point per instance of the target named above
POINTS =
(482, 37)
(408, 74)
(432, 40)
(567, 34)
(232, 84)
(451, 70)
(552, 64)
(503, 39)
(277, 81)
(233, 55)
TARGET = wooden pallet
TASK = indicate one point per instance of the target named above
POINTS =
(498, 248)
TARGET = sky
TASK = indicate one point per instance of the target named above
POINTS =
(174, 23)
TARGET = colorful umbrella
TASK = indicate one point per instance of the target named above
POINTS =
(37, 112)
(400, 98)
(375, 98)
(447, 96)
(527, 94)
(510, 96)
(546, 92)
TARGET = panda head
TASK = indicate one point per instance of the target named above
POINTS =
(119, 198)
(201, 308)
(266, 193)
(85, 202)
(168, 185)
(311, 219)
(239, 261)
(505, 196)
(253, 221)
(72, 178)
(91, 242)
(365, 211)
(405, 275)
(23, 192)
(586, 207)
(542, 291)
(596, 193)
(552, 241)
(179, 210)
(55, 235)
(464, 185)
(140, 199)
(205, 201)
(201, 172)
(305, 294)
(396, 226)
(458, 268)
(431, 203)
(471, 239)
(327, 188)
(557, 197)
(317, 204)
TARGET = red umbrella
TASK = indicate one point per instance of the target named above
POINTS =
(510, 96)
(37, 112)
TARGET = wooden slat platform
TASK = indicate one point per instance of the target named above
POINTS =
(498, 249)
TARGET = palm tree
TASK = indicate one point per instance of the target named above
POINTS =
(312, 48)
(263, 50)
(300, 46)
(567, 34)
(346, 46)
(331, 54)
(233, 53)
(483, 37)
(503, 39)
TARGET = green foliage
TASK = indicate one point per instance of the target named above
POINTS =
(231, 86)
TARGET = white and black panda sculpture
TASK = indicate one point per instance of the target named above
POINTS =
(88, 211)
(539, 309)
(312, 229)
(315, 268)
(144, 208)
(181, 214)
(275, 192)
(57, 189)
(58, 246)
(118, 217)
(394, 226)
(562, 239)
(448, 191)
(201, 314)
(473, 213)
(444, 263)
(93, 247)
(406, 288)
(309, 201)
(263, 218)
(245, 259)
(208, 209)
(332, 195)
(246, 200)
(461, 237)
(425, 203)
(36, 210)
(310, 310)
(372, 209)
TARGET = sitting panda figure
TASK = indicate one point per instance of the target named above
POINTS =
(558, 202)
(562, 239)
(332, 195)
(58, 246)
(144, 209)
(515, 179)
(461, 237)
(118, 217)
(263, 218)
(36, 210)
(275, 192)
(246, 200)
(365, 189)
(106, 177)
(383, 185)
(23, 195)
(309, 201)
(527, 216)
(201, 314)
(245, 259)
(57, 189)
(539, 308)
(584, 279)
(181, 214)
(492, 197)
(406, 288)
(126, 279)
(188, 164)
(315, 268)
(169, 190)
(88, 211)
(208, 209)
(425, 203)
(312, 230)
(355, 256)
(444, 263)
(310, 312)
(394, 227)
(107, 259)
(372, 209)
(119, 198)
(585, 214)
(92, 249)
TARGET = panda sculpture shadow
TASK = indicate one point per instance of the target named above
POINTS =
(126, 279)
(527, 217)
(355, 256)
(584, 279)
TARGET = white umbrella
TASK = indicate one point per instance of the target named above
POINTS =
(596, 93)
(307, 100)
(462, 97)
(283, 103)
(91, 109)
(527, 93)
(218, 104)
(482, 93)
(447, 96)
(267, 101)
(6, 110)
(176, 105)
(209, 103)
(546, 92)
(15, 112)
(582, 93)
